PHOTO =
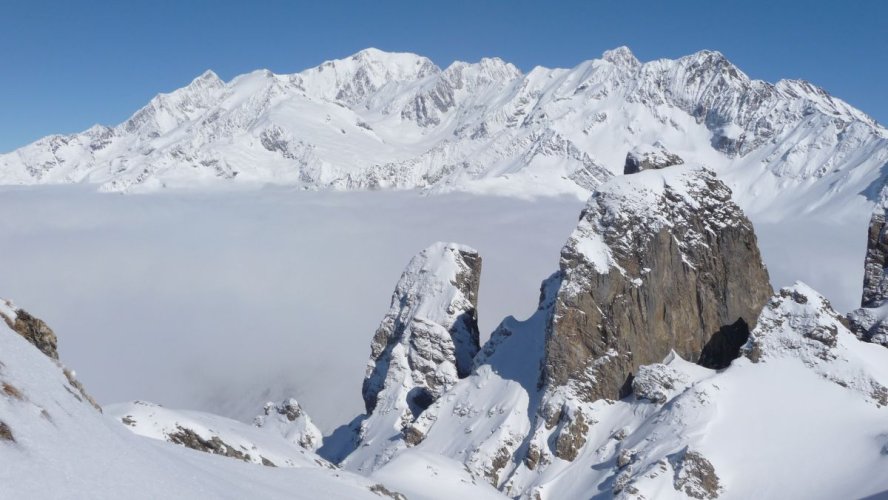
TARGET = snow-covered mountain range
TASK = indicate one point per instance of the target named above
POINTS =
(396, 120)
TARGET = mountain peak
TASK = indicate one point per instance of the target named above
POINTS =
(207, 79)
(401, 62)
(621, 56)
(713, 59)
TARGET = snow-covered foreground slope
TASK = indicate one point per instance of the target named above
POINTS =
(53, 444)
(385, 120)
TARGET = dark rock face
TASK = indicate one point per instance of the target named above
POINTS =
(724, 346)
(875, 280)
(869, 322)
(650, 158)
(660, 260)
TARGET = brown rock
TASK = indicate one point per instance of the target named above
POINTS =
(36, 332)
(682, 268)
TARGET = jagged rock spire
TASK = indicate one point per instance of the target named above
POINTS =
(430, 334)
(424, 345)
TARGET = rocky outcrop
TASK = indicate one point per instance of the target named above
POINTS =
(41, 336)
(875, 280)
(290, 420)
(429, 337)
(695, 476)
(800, 323)
(425, 344)
(657, 383)
(869, 322)
(191, 439)
(283, 436)
(660, 260)
(650, 158)
(33, 329)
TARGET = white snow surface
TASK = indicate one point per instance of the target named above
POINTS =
(64, 448)
(156, 422)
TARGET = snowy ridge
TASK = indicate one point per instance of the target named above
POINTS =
(801, 323)
(214, 434)
(379, 120)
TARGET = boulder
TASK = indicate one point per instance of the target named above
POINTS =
(650, 158)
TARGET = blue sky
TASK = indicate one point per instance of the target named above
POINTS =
(66, 65)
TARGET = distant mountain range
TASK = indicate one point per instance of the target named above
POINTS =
(379, 120)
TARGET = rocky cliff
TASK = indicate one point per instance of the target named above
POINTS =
(869, 322)
(661, 260)
(662, 264)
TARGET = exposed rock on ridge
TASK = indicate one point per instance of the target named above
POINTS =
(274, 440)
(660, 260)
(41, 336)
(650, 158)
(290, 420)
(868, 322)
(798, 322)
(33, 329)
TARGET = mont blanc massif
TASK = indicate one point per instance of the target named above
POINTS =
(664, 359)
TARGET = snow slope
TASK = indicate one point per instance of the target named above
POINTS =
(263, 446)
(391, 120)
(53, 444)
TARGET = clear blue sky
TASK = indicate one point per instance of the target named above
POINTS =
(66, 65)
